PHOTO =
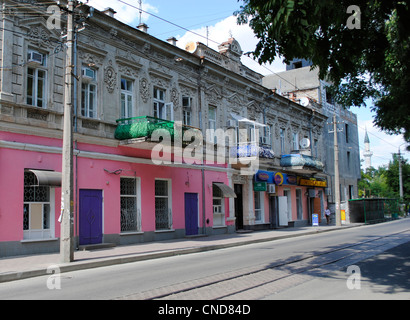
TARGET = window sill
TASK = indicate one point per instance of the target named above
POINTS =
(38, 240)
(131, 233)
(164, 231)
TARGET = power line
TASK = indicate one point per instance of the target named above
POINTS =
(165, 20)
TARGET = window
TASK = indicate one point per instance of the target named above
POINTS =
(348, 160)
(315, 148)
(259, 205)
(186, 110)
(347, 132)
(163, 212)
(282, 141)
(295, 141)
(36, 79)
(162, 110)
(89, 94)
(218, 202)
(130, 213)
(126, 98)
(212, 124)
(38, 213)
(329, 97)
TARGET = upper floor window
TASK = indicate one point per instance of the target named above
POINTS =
(36, 79)
(295, 141)
(162, 110)
(212, 124)
(126, 98)
(282, 141)
(187, 110)
(89, 93)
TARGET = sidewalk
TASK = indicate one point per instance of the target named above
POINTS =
(22, 267)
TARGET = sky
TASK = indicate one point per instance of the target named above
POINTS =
(165, 19)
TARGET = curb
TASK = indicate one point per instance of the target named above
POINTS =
(106, 262)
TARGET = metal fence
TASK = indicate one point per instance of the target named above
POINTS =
(373, 210)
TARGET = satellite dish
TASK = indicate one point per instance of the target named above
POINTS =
(304, 101)
(191, 47)
(304, 143)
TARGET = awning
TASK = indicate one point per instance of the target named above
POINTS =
(227, 191)
(47, 178)
(245, 120)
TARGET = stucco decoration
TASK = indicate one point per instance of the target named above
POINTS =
(144, 90)
(110, 78)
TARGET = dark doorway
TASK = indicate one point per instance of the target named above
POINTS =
(273, 212)
(238, 207)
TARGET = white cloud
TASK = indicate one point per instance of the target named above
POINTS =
(125, 13)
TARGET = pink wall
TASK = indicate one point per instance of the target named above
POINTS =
(91, 175)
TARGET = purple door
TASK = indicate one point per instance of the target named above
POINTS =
(90, 217)
(191, 214)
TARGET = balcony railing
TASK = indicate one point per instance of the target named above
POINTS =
(144, 127)
(301, 161)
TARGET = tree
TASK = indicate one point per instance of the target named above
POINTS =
(364, 50)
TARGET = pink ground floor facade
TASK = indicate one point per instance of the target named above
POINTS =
(121, 197)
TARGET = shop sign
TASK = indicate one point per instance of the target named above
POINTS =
(260, 186)
(313, 183)
(279, 178)
(264, 176)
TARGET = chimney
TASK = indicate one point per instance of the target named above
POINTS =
(172, 41)
(109, 12)
(143, 27)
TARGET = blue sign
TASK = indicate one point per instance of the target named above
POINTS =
(315, 219)
(264, 176)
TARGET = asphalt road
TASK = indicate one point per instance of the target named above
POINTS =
(298, 268)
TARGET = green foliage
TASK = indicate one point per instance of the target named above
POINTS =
(384, 182)
(370, 62)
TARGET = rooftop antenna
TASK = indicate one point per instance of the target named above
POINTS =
(207, 36)
(140, 3)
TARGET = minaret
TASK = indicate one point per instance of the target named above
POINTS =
(367, 153)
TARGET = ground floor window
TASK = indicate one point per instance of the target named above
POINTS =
(163, 211)
(130, 213)
(38, 215)
(218, 207)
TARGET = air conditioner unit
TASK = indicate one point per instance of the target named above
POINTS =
(35, 57)
(231, 123)
(88, 73)
(271, 188)
(263, 140)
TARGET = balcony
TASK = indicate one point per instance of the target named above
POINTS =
(301, 163)
(142, 129)
(251, 150)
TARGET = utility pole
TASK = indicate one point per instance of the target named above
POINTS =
(337, 177)
(67, 196)
(400, 176)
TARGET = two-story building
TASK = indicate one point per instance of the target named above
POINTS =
(148, 165)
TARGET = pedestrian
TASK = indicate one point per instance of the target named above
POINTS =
(327, 214)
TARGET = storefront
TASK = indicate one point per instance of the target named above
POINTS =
(289, 199)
